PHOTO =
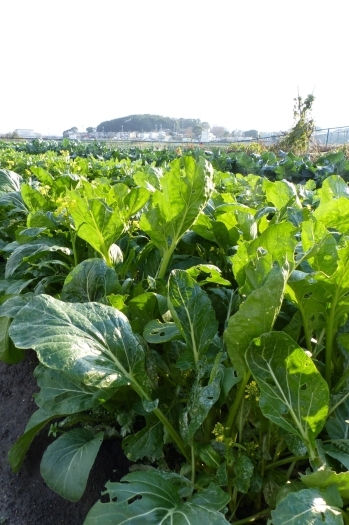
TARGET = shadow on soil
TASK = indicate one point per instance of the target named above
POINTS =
(24, 497)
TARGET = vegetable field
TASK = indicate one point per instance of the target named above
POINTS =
(193, 304)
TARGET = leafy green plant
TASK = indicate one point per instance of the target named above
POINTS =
(199, 316)
(297, 140)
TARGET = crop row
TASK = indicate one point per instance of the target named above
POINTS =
(200, 315)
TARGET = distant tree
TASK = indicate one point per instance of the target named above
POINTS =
(251, 133)
(90, 129)
(12, 135)
(218, 131)
(71, 130)
(197, 130)
(146, 123)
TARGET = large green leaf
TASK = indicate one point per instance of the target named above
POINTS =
(320, 247)
(95, 222)
(66, 463)
(26, 253)
(185, 190)
(254, 260)
(34, 200)
(306, 507)
(334, 214)
(159, 503)
(92, 342)
(332, 188)
(193, 312)
(91, 280)
(61, 395)
(293, 393)
(134, 201)
(280, 192)
(255, 316)
(9, 181)
(326, 477)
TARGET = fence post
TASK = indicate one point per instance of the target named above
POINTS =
(328, 133)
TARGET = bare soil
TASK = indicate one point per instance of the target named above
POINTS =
(25, 499)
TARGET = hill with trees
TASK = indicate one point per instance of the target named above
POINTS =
(147, 123)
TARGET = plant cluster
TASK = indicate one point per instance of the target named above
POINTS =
(298, 137)
(199, 315)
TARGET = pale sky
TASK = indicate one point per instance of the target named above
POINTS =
(233, 63)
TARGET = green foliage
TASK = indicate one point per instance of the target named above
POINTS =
(146, 123)
(199, 312)
(297, 139)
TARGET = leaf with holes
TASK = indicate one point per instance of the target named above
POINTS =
(193, 312)
(149, 498)
(293, 393)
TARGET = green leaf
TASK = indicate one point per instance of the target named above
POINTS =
(209, 456)
(321, 247)
(13, 305)
(340, 451)
(201, 400)
(25, 253)
(332, 188)
(156, 332)
(148, 443)
(212, 497)
(193, 312)
(287, 379)
(17, 452)
(337, 424)
(255, 316)
(207, 273)
(92, 342)
(34, 200)
(325, 477)
(134, 201)
(42, 175)
(306, 507)
(275, 244)
(279, 193)
(62, 396)
(8, 352)
(142, 309)
(185, 190)
(91, 280)
(95, 222)
(334, 214)
(9, 181)
(42, 219)
(243, 471)
(159, 503)
(66, 463)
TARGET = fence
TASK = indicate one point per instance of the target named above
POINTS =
(325, 136)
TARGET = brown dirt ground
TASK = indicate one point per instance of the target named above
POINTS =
(24, 497)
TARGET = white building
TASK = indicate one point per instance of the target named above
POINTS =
(27, 134)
